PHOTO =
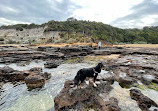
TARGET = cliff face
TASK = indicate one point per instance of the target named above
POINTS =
(33, 35)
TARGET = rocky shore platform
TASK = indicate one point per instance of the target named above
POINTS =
(134, 69)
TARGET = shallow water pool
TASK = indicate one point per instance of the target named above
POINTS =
(16, 97)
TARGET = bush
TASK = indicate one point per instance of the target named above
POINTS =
(19, 28)
(1, 39)
(11, 42)
(33, 40)
(49, 40)
(1, 42)
(140, 42)
(71, 40)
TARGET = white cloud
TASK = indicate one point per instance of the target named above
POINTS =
(119, 13)
(134, 23)
(53, 5)
(5, 21)
(154, 1)
(60, 1)
(8, 9)
(149, 20)
(104, 11)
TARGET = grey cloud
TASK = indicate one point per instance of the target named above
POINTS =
(144, 9)
(37, 11)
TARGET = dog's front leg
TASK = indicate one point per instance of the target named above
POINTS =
(94, 83)
(80, 86)
(94, 79)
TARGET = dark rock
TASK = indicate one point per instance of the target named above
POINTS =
(18, 56)
(50, 65)
(155, 81)
(36, 69)
(143, 101)
(56, 55)
(126, 81)
(147, 79)
(53, 64)
(9, 74)
(2, 79)
(114, 104)
(109, 79)
(70, 49)
(26, 73)
(80, 99)
(76, 51)
(15, 76)
(41, 48)
(6, 69)
(34, 81)
(46, 75)
(110, 50)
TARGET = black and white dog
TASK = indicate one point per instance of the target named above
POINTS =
(87, 72)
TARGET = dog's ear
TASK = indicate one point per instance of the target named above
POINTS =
(100, 65)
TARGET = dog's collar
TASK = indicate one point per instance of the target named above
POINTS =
(95, 71)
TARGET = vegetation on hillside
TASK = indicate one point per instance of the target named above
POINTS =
(97, 30)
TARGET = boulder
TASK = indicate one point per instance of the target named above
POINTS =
(143, 101)
(34, 81)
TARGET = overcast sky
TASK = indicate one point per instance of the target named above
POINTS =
(119, 13)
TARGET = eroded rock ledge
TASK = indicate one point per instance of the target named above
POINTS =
(86, 98)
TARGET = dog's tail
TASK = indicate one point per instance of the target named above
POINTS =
(76, 81)
(77, 78)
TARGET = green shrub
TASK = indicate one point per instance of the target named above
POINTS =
(1, 42)
(140, 42)
(11, 42)
(33, 40)
(1, 39)
(19, 28)
(49, 40)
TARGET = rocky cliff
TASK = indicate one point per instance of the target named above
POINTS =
(37, 35)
